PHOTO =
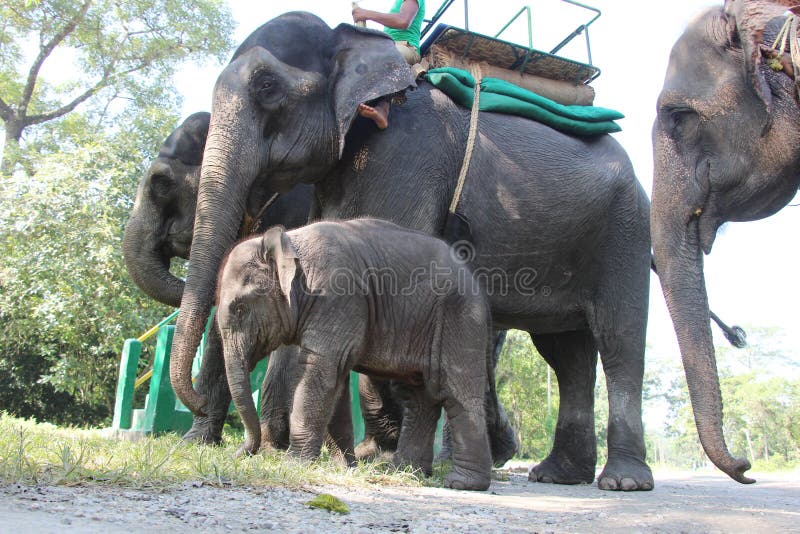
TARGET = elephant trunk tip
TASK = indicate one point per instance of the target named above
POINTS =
(190, 398)
(735, 468)
(194, 402)
(249, 448)
(737, 473)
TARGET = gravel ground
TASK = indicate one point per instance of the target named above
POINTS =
(680, 503)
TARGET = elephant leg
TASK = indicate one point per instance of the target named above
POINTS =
(313, 402)
(340, 427)
(277, 391)
(573, 357)
(622, 355)
(464, 406)
(383, 417)
(502, 437)
(415, 446)
(212, 384)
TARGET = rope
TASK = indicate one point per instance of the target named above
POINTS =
(789, 35)
(473, 130)
(249, 225)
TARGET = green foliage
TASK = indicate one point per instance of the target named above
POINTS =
(522, 387)
(90, 85)
(328, 502)
(102, 55)
(66, 301)
(761, 407)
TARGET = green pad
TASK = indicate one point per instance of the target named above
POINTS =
(500, 96)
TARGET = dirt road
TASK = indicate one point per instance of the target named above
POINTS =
(680, 503)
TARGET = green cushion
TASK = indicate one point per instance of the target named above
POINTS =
(503, 97)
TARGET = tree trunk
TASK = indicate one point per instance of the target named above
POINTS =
(13, 131)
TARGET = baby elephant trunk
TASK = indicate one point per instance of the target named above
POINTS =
(237, 367)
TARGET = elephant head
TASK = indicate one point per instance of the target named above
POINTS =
(162, 219)
(726, 148)
(281, 110)
(255, 315)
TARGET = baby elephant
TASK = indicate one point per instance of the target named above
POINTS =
(369, 296)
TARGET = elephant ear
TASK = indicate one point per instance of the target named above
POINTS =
(275, 244)
(747, 20)
(366, 66)
(188, 141)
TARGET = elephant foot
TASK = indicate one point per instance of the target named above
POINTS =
(371, 449)
(367, 449)
(422, 464)
(205, 431)
(557, 469)
(464, 479)
(504, 445)
(626, 474)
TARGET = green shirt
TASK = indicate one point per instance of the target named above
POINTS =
(412, 33)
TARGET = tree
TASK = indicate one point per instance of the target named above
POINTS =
(66, 302)
(104, 51)
(521, 376)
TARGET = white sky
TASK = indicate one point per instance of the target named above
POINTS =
(750, 273)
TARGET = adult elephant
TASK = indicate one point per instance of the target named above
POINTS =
(560, 225)
(727, 148)
(160, 228)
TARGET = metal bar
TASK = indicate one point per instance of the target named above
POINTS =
(584, 6)
(588, 46)
(515, 17)
(466, 15)
(579, 29)
(439, 13)
(468, 47)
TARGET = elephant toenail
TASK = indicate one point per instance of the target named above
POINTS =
(628, 484)
(607, 484)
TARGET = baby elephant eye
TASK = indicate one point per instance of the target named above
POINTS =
(239, 311)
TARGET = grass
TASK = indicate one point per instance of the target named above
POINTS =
(41, 453)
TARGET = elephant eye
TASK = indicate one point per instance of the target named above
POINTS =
(266, 89)
(161, 185)
(682, 122)
(263, 83)
(239, 310)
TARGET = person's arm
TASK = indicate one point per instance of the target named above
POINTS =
(398, 21)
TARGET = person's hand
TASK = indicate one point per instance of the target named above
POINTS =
(359, 15)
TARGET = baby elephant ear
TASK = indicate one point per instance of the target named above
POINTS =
(276, 245)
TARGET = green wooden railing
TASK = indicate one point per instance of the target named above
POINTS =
(162, 411)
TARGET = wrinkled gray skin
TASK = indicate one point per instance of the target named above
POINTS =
(560, 225)
(727, 148)
(160, 228)
(363, 295)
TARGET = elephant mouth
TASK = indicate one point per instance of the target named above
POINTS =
(179, 246)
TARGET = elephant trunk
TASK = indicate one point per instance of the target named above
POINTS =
(238, 372)
(679, 259)
(147, 262)
(229, 167)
